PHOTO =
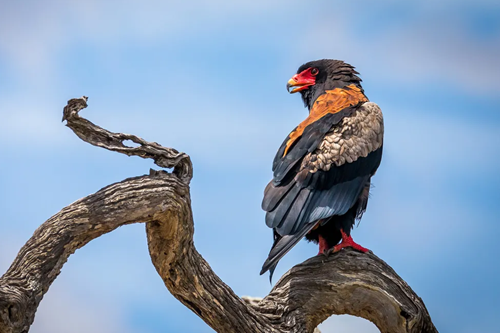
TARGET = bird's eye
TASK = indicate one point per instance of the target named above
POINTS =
(314, 71)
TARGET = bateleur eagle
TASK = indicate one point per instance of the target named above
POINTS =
(323, 169)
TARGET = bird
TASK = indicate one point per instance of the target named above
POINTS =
(322, 171)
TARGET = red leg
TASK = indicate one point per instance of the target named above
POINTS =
(323, 245)
(348, 242)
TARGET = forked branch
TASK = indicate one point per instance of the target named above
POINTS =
(344, 283)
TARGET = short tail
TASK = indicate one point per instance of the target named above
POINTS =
(281, 247)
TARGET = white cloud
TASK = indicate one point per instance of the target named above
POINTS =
(32, 35)
(431, 46)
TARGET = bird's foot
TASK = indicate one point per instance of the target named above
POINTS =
(347, 241)
(323, 245)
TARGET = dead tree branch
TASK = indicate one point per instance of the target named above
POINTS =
(344, 283)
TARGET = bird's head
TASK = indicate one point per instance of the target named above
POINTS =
(315, 77)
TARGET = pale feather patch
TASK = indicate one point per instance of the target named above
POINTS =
(354, 137)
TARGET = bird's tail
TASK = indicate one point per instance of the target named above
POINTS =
(281, 247)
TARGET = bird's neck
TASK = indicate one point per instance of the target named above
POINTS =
(332, 88)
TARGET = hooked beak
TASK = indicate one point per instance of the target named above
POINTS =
(300, 82)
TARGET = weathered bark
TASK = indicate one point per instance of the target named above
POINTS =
(344, 283)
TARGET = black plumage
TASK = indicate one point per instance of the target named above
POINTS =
(316, 192)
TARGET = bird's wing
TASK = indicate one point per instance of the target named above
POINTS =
(326, 164)
(327, 111)
(326, 177)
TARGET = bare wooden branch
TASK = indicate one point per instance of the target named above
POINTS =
(344, 283)
(349, 282)
(97, 136)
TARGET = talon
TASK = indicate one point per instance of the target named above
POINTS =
(347, 241)
(329, 252)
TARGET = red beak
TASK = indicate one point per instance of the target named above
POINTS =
(302, 81)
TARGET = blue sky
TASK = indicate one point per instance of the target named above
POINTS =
(208, 78)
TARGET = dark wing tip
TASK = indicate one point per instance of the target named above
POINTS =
(268, 266)
(282, 246)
